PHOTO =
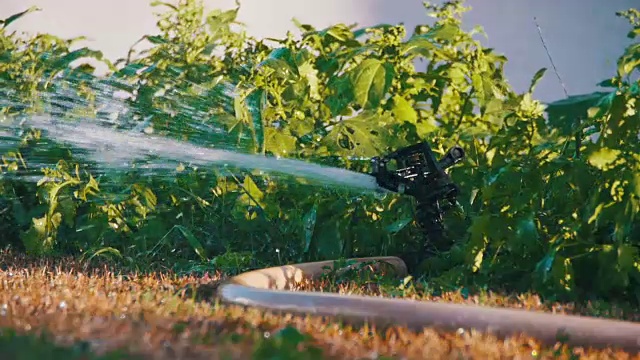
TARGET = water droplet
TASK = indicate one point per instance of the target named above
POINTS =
(267, 334)
(62, 305)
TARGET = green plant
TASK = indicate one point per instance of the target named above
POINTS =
(542, 205)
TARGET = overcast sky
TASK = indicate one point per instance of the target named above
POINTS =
(584, 36)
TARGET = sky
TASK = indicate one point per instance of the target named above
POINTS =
(584, 37)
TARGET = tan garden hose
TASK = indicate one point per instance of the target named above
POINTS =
(270, 289)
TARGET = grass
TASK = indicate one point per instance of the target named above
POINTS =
(67, 309)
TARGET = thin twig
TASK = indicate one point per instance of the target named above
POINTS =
(578, 121)
(546, 49)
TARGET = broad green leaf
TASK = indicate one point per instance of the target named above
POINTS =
(483, 87)
(458, 73)
(329, 240)
(341, 95)
(280, 142)
(527, 229)
(603, 157)
(627, 256)
(35, 239)
(424, 44)
(370, 80)
(563, 113)
(403, 111)
(253, 193)
(361, 135)
(477, 260)
(308, 71)
(636, 183)
(418, 46)
(219, 21)
(340, 33)
(446, 32)
(281, 60)
(630, 61)
(398, 225)
(480, 227)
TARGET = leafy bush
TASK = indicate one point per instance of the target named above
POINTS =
(549, 197)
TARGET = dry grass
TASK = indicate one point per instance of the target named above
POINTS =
(158, 316)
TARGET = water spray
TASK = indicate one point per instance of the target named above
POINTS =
(413, 170)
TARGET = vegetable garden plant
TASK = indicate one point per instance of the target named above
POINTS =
(550, 192)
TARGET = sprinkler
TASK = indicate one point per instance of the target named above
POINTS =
(414, 171)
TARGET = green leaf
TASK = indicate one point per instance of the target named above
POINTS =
(361, 135)
(398, 225)
(156, 39)
(630, 60)
(219, 21)
(446, 32)
(417, 46)
(252, 192)
(536, 78)
(478, 231)
(106, 250)
(290, 335)
(627, 256)
(526, 233)
(193, 241)
(636, 183)
(329, 240)
(162, 3)
(544, 266)
(65, 61)
(309, 222)
(6, 22)
(280, 142)
(341, 95)
(281, 61)
(309, 72)
(527, 228)
(403, 111)
(603, 157)
(371, 80)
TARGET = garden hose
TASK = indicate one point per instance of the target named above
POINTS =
(273, 289)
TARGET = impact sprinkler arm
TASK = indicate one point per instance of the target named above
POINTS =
(419, 174)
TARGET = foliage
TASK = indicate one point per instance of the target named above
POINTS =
(550, 193)
(43, 346)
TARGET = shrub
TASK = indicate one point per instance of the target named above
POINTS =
(550, 193)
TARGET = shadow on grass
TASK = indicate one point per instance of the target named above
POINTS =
(15, 346)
